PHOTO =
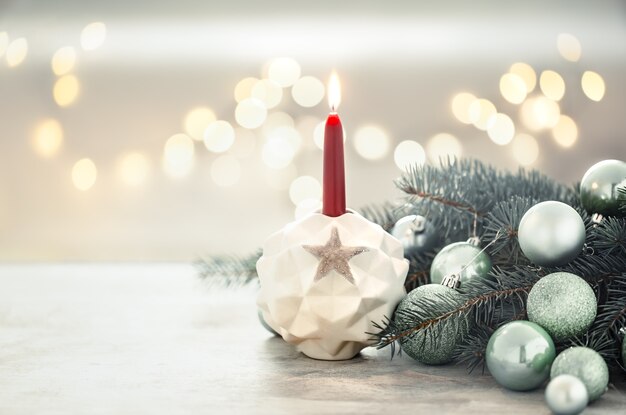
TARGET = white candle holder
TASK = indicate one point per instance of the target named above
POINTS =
(312, 300)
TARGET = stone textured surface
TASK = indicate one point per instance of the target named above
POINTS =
(585, 364)
(326, 306)
(151, 339)
(563, 304)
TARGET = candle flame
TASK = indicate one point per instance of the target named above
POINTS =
(334, 92)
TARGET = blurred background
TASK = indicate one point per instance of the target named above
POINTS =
(165, 131)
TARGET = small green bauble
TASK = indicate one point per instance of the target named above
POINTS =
(598, 188)
(566, 395)
(587, 365)
(457, 256)
(519, 355)
(563, 304)
(422, 346)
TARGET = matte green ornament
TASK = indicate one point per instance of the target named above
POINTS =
(432, 347)
(563, 304)
(460, 258)
(551, 234)
(519, 355)
(587, 365)
(598, 188)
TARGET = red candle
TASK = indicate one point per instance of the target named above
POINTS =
(334, 189)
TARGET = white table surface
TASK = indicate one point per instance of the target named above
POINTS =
(153, 339)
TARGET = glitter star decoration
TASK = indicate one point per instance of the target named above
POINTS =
(334, 256)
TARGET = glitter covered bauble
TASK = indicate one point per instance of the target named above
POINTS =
(264, 323)
(587, 365)
(563, 304)
(519, 355)
(416, 234)
(325, 279)
(566, 395)
(551, 234)
(599, 188)
(424, 346)
(463, 259)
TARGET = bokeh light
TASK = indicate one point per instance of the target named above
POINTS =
(178, 155)
(284, 71)
(250, 113)
(93, 36)
(306, 126)
(244, 144)
(133, 168)
(66, 90)
(308, 91)
(565, 132)
(268, 92)
(480, 111)
(197, 120)
(460, 106)
(225, 171)
(408, 154)
(280, 179)
(304, 187)
(526, 73)
(63, 60)
(318, 134)
(277, 152)
(288, 134)
(16, 52)
(501, 129)
(539, 112)
(513, 88)
(4, 43)
(525, 149)
(306, 207)
(276, 120)
(48, 138)
(443, 146)
(219, 136)
(243, 89)
(84, 174)
(552, 85)
(593, 85)
(371, 142)
(569, 47)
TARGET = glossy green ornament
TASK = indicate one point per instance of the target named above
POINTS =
(598, 188)
(587, 365)
(566, 395)
(460, 258)
(422, 345)
(551, 234)
(563, 304)
(519, 355)
(415, 233)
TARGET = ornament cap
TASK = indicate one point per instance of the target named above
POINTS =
(452, 281)
(474, 240)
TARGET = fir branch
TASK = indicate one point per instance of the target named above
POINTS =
(229, 270)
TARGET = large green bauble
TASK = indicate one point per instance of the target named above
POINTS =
(519, 355)
(429, 347)
(563, 304)
(460, 258)
(598, 188)
(587, 365)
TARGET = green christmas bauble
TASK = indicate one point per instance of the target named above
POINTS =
(566, 395)
(422, 345)
(460, 258)
(598, 188)
(519, 355)
(563, 304)
(416, 234)
(587, 365)
(551, 234)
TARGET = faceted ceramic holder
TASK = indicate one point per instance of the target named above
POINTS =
(327, 318)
